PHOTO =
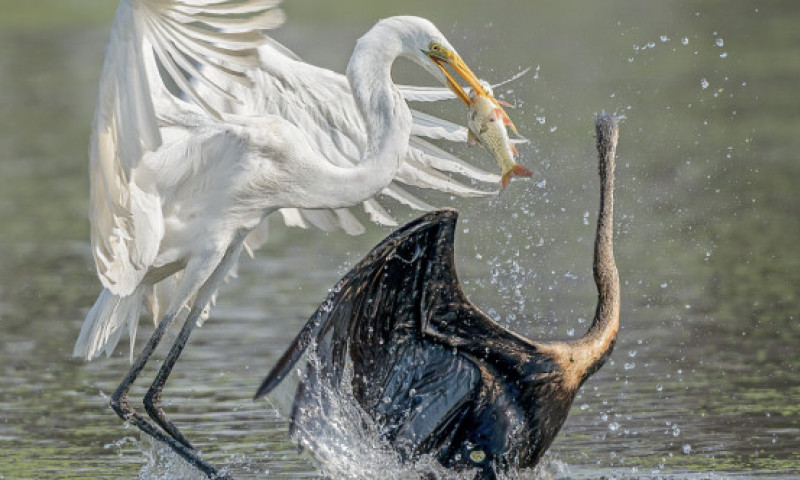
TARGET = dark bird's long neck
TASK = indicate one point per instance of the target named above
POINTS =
(455, 322)
(595, 347)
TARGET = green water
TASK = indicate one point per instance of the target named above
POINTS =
(704, 382)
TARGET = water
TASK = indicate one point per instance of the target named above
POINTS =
(704, 380)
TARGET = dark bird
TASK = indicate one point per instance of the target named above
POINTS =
(435, 373)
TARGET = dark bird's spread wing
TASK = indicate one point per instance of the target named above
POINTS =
(374, 319)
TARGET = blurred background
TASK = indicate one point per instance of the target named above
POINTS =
(704, 382)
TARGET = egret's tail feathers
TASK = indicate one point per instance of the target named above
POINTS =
(104, 323)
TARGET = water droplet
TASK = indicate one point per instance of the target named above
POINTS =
(663, 284)
(586, 218)
(659, 387)
(723, 55)
(584, 406)
(684, 41)
(632, 353)
(687, 449)
(613, 426)
(541, 120)
(664, 38)
(720, 42)
(704, 83)
(571, 276)
(571, 332)
(630, 366)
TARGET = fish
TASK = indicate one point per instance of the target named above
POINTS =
(487, 122)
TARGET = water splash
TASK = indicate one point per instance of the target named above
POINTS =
(346, 442)
(161, 463)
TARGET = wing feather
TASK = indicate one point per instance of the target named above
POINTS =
(378, 214)
(426, 125)
(320, 103)
(406, 198)
(415, 172)
(403, 256)
(373, 321)
(293, 218)
(222, 35)
(434, 157)
(434, 94)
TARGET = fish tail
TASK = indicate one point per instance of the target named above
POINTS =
(517, 170)
(506, 179)
(521, 171)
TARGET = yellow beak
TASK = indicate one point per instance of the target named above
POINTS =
(460, 67)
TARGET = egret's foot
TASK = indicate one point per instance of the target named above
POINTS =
(121, 406)
(152, 404)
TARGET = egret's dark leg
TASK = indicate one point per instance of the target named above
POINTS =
(120, 404)
(152, 400)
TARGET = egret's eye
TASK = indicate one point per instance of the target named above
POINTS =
(435, 47)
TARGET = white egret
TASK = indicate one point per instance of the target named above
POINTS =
(204, 126)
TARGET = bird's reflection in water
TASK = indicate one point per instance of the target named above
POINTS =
(432, 372)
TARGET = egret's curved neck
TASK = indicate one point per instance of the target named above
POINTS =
(385, 114)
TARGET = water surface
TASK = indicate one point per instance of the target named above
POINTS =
(704, 380)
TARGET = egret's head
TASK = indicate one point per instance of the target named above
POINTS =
(423, 43)
(441, 55)
(419, 40)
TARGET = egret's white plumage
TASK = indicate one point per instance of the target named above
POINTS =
(204, 126)
(180, 179)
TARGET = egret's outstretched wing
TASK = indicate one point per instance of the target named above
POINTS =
(426, 166)
(321, 104)
(176, 35)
